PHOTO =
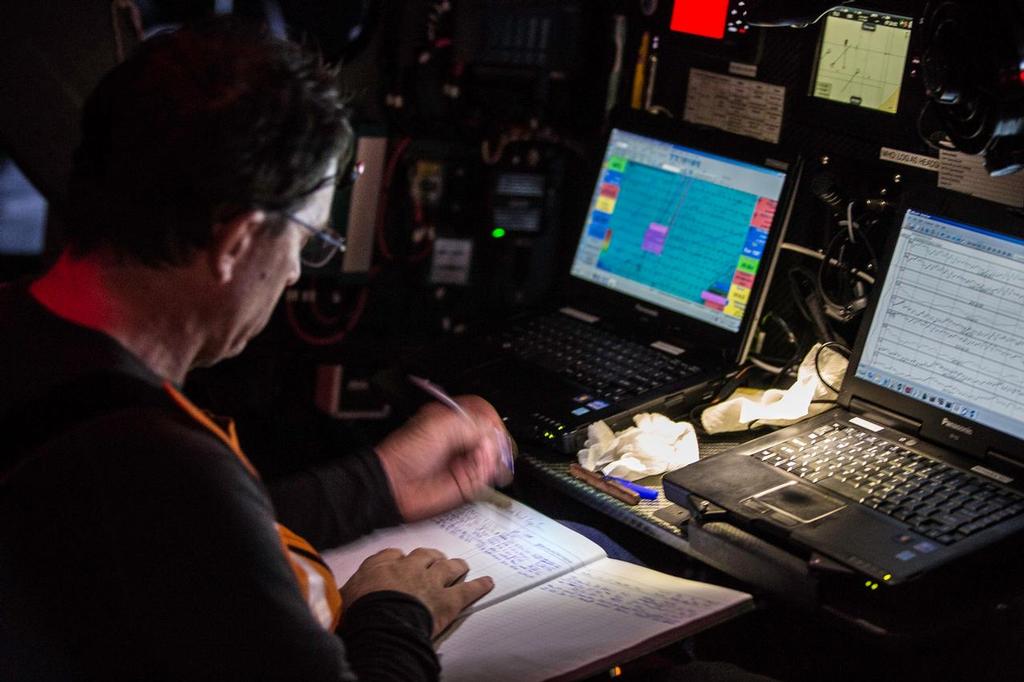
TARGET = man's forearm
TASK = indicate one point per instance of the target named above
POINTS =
(335, 503)
(387, 637)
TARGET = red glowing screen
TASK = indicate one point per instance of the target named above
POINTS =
(700, 17)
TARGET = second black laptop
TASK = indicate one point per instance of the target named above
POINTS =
(923, 461)
(666, 283)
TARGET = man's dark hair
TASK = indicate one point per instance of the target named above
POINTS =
(196, 126)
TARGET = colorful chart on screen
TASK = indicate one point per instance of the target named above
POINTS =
(678, 227)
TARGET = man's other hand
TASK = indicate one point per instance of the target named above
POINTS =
(440, 458)
(424, 574)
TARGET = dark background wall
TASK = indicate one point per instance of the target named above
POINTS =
(466, 98)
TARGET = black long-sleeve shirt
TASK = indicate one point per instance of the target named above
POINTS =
(135, 545)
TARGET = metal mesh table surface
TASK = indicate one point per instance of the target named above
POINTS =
(644, 517)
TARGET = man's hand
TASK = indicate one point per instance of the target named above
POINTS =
(440, 459)
(425, 574)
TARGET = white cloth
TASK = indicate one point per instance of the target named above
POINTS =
(655, 444)
(775, 407)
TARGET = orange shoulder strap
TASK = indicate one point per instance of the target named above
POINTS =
(316, 582)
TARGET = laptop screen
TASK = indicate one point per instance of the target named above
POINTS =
(677, 227)
(947, 330)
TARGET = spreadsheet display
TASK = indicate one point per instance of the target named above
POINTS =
(678, 227)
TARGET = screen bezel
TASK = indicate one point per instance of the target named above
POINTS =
(898, 129)
(692, 332)
(963, 209)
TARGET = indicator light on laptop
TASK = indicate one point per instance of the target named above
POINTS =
(867, 583)
(498, 232)
(887, 576)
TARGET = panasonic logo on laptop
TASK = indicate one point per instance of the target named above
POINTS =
(966, 430)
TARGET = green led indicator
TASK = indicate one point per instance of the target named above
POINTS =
(498, 232)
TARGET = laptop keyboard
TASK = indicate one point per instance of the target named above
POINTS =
(611, 366)
(941, 502)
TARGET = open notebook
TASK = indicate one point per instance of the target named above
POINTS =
(560, 609)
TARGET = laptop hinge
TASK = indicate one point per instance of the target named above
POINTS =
(883, 416)
(1005, 458)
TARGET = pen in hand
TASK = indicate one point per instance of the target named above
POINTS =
(505, 444)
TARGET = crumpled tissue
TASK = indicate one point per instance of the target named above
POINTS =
(775, 407)
(655, 444)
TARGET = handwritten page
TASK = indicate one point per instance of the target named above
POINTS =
(497, 536)
(560, 607)
(577, 620)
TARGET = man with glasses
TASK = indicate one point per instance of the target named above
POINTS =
(136, 540)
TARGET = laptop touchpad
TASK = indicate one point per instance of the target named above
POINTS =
(795, 500)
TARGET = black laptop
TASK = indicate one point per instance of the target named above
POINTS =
(922, 463)
(667, 278)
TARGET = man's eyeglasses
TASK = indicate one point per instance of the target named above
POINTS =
(323, 244)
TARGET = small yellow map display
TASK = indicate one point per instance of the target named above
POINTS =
(861, 58)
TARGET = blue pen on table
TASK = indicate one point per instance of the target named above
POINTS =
(643, 491)
(505, 444)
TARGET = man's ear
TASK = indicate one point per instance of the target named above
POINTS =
(232, 241)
